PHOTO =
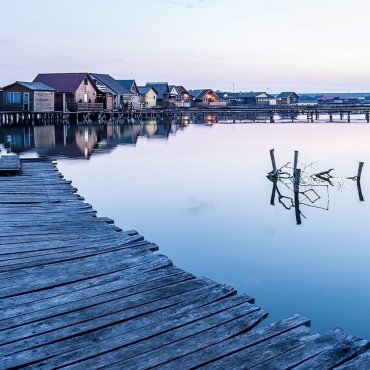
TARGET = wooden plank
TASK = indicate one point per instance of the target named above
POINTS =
(227, 348)
(60, 302)
(360, 362)
(62, 293)
(260, 352)
(160, 312)
(304, 353)
(185, 339)
(45, 277)
(9, 165)
(343, 351)
(97, 316)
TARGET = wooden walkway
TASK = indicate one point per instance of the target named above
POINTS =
(77, 292)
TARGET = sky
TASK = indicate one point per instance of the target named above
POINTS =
(245, 45)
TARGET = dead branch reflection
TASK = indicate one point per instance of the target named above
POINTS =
(295, 188)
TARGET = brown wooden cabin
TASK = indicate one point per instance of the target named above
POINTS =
(73, 91)
(28, 97)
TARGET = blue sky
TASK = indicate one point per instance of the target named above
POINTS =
(301, 45)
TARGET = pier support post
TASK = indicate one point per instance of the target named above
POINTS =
(311, 116)
(330, 117)
(297, 176)
(341, 115)
(367, 115)
(272, 118)
(349, 117)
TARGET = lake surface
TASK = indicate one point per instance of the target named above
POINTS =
(201, 193)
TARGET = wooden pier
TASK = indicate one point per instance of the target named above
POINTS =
(77, 292)
(344, 113)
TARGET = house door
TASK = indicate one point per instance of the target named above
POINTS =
(26, 102)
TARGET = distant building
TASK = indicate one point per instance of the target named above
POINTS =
(28, 96)
(285, 98)
(329, 100)
(113, 95)
(148, 96)
(130, 85)
(247, 98)
(163, 93)
(180, 97)
(204, 97)
(73, 91)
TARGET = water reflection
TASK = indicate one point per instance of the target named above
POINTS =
(83, 141)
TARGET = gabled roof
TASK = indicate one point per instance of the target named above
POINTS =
(145, 89)
(62, 82)
(199, 94)
(181, 90)
(286, 94)
(127, 84)
(111, 83)
(161, 88)
(35, 86)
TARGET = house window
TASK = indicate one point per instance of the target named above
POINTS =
(13, 97)
(26, 98)
(85, 81)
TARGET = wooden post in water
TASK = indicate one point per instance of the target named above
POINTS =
(367, 115)
(272, 156)
(272, 118)
(359, 171)
(349, 117)
(297, 175)
(295, 163)
(330, 117)
(341, 115)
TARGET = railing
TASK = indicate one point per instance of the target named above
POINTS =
(77, 107)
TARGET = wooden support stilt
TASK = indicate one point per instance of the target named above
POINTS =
(273, 162)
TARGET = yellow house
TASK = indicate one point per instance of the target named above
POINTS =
(148, 96)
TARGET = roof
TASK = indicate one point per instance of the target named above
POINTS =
(160, 87)
(35, 86)
(250, 94)
(145, 89)
(181, 89)
(127, 84)
(285, 94)
(62, 82)
(111, 83)
(198, 94)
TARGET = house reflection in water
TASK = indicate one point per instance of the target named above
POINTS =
(81, 142)
(86, 140)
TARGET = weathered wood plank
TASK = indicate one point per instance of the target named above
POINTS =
(106, 293)
(96, 316)
(360, 362)
(186, 339)
(226, 348)
(37, 278)
(141, 327)
(343, 351)
(85, 287)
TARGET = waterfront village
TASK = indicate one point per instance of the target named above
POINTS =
(74, 92)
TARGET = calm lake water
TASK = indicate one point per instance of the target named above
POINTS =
(200, 192)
